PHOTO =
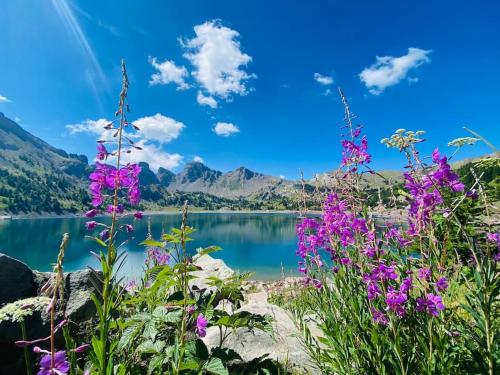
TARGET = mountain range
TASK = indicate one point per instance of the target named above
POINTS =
(37, 177)
(197, 177)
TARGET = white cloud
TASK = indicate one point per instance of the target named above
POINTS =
(206, 100)
(152, 130)
(282, 176)
(389, 71)
(4, 99)
(324, 80)
(158, 128)
(225, 129)
(153, 155)
(216, 56)
(198, 159)
(95, 127)
(168, 72)
(17, 119)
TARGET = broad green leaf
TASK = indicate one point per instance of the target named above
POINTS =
(215, 367)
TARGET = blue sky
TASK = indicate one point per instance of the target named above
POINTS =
(268, 68)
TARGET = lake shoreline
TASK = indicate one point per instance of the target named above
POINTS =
(154, 213)
(386, 215)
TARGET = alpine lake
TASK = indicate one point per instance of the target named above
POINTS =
(263, 243)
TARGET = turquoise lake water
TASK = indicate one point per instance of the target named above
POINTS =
(258, 242)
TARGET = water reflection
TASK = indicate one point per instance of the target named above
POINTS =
(250, 242)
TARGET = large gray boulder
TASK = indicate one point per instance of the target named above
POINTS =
(16, 280)
(77, 306)
(209, 267)
(80, 285)
(284, 345)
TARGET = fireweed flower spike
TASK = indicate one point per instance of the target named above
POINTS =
(389, 271)
(111, 187)
(157, 256)
(494, 238)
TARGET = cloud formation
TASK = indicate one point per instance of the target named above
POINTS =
(95, 127)
(324, 80)
(158, 128)
(206, 100)
(154, 156)
(4, 99)
(388, 70)
(198, 159)
(215, 53)
(153, 132)
(168, 72)
(225, 129)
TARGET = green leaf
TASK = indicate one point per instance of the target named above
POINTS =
(215, 367)
(152, 243)
(156, 363)
(225, 354)
(208, 250)
(150, 330)
(196, 351)
(98, 240)
(150, 347)
(128, 335)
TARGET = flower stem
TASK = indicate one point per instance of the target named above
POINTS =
(27, 359)
(184, 284)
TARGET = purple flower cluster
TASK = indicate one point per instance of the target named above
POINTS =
(106, 177)
(494, 238)
(355, 153)
(426, 196)
(157, 256)
(201, 325)
(430, 304)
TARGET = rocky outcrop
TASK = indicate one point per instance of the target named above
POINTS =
(19, 283)
(80, 286)
(209, 267)
(16, 280)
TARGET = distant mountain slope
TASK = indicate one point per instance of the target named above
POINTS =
(242, 182)
(20, 148)
(37, 177)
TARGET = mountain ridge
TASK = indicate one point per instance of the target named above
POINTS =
(37, 177)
